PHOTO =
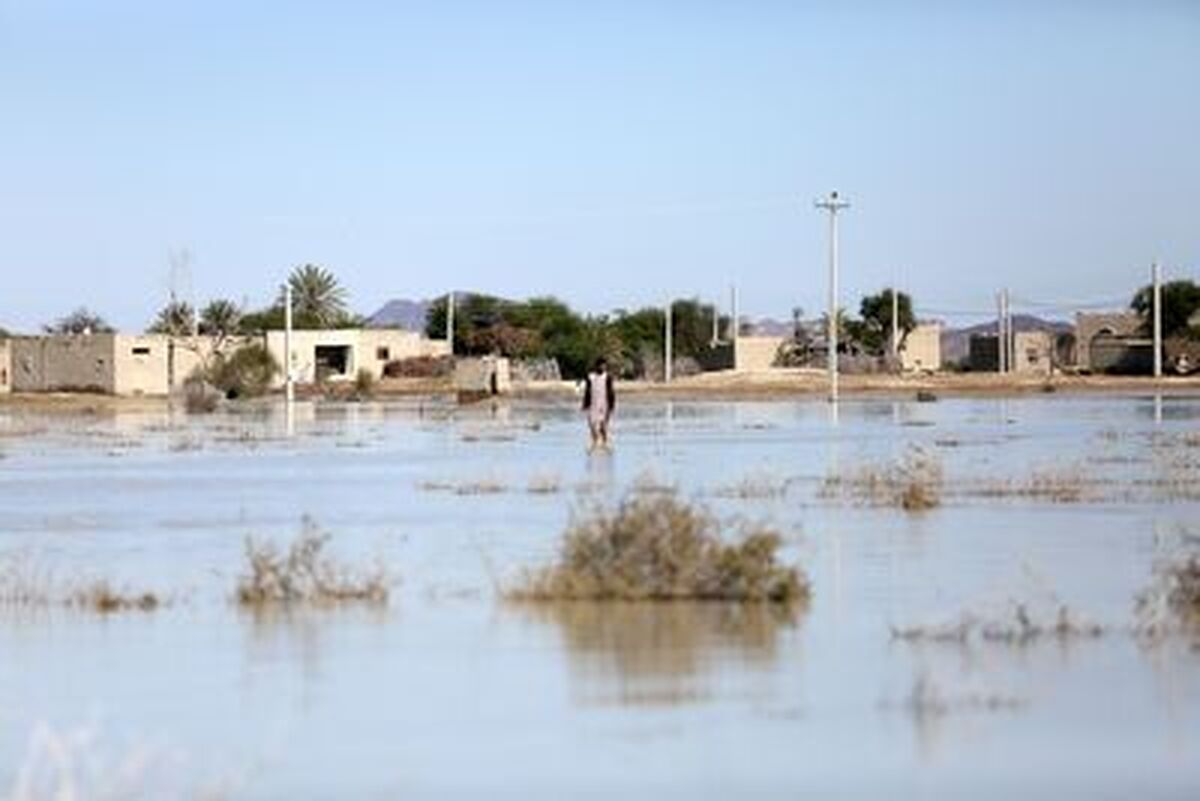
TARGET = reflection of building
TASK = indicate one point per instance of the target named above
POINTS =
(151, 364)
(921, 350)
(1113, 342)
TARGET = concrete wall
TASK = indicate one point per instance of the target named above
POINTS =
(485, 374)
(5, 367)
(1033, 352)
(757, 353)
(1089, 325)
(369, 349)
(922, 348)
(140, 364)
(62, 363)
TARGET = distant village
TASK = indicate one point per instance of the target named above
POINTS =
(490, 343)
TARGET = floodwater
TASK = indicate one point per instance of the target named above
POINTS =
(450, 692)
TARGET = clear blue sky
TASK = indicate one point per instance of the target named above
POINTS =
(606, 153)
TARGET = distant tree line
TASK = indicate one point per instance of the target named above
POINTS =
(545, 327)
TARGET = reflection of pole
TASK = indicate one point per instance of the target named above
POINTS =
(667, 345)
(289, 391)
(833, 205)
(450, 321)
(1156, 275)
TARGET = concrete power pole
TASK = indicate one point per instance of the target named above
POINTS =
(667, 348)
(1156, 277)
(450, 321)
(833, 204)
(734, 322)
(1000, 332)
(288, 379)
(895, 321)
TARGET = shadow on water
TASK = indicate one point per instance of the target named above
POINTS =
(662, 654)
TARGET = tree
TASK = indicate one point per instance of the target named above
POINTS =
(174, 319)
(1180, 301)
(875, 331)
(220, 318)
(317, 297)
(80, 321)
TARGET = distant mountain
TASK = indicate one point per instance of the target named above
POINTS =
(401, 313)
(956, 341)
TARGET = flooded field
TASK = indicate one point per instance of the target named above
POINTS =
(973, 629)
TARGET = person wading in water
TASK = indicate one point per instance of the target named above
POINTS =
(599, 401)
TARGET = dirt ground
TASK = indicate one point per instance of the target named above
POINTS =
(772, 384)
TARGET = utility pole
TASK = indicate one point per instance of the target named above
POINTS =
(289, 389)
(1000, 332)
(1010, 338)
(450, 321)
(716, 325)
(667, 345)
(833, 204)
(1156, 277)
(734, 323)
(895, 321)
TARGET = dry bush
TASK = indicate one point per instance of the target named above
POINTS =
(1019, 627)
(544, 485)
(1173, 597)
(658, 548)
(1056, 485)
(364, 384)
(914, 483)
(420, 367)
(304, 574)
(24, 585)
(100, 596)
(753, 488)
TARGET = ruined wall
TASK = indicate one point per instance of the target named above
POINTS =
(378, 346)
(1089, 325)
(755, 354)
(485, 375)
(67, 363)
(922, 348)
(1033, 352)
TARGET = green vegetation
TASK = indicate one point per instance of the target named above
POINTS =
(220, 318)
(175, 319)
(655, 547)
(1180, 302)
(546, 327)
(80, 321)
(245, 373)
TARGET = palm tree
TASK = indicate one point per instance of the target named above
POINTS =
(317, 296)
(220, 318)
(175, 319)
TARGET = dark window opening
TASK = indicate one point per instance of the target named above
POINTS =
(332, 360)
(382, 354)
(141, 351)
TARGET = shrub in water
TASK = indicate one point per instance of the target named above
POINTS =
(658, 548)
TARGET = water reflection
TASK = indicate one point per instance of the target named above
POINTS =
(655, 654)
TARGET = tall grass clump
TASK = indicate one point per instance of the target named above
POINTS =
(305, 574)
(657, 547)
(913, 483)
(364, 384)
